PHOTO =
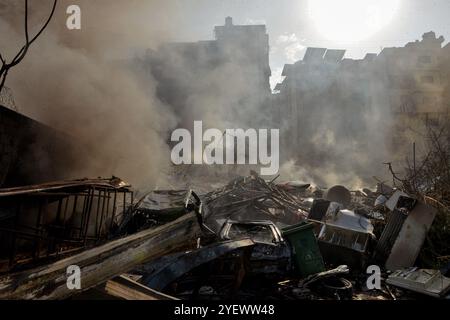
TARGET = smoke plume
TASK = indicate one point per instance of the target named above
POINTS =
(79, 82)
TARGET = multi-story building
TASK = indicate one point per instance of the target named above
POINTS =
(246, 46)
(402, 92)
(325, 93)
(416, 83)
(228, 75)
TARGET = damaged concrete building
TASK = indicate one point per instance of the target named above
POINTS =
(195, 77)
(406, 88)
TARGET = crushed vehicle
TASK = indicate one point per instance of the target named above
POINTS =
(271, 253)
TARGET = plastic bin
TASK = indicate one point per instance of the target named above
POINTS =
(305, 250)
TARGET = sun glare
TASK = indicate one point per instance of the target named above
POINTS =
(351, 20)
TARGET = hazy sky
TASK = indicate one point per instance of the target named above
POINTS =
(294, 25)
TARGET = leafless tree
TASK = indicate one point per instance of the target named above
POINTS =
(5, 65)
(428, 179)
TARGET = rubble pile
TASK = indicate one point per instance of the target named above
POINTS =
(249, 239)
(250, 198)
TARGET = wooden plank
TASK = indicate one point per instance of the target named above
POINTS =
(125, 288)
(102, 263)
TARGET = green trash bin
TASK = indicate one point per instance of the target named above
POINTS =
(305, 250)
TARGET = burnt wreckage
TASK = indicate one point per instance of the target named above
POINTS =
(249, 239)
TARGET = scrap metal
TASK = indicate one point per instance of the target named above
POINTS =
(102, 263)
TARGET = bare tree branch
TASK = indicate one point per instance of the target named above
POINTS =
(430, 182)
(5, 67)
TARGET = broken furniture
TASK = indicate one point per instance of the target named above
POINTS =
(53, 219)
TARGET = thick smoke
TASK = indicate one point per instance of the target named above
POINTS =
(352, 117)
(222, 82)
(122, 110)
(343, 128)
(79, 82)
(87, 84)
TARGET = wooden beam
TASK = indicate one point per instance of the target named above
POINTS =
(102, 263)
(125, 288)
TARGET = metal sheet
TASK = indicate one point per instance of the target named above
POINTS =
(389, 235)
(411, 237)
(426, 281)
(113, 183)
(181, 264)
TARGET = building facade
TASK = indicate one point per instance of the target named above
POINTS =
(228, 76)
(402, 92)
